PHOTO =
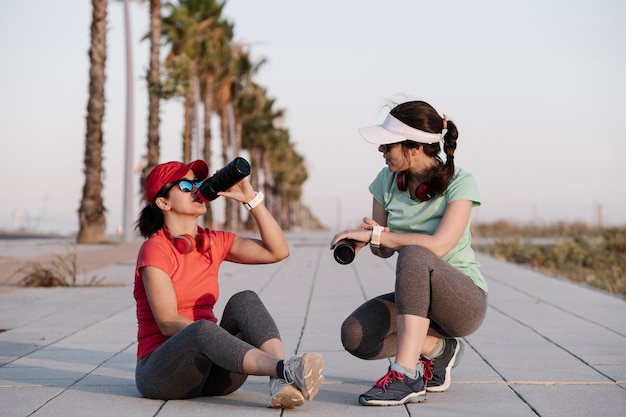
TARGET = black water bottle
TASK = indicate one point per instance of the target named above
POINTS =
(344, 251)
(224, 178)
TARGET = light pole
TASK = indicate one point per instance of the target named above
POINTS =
(127, 210)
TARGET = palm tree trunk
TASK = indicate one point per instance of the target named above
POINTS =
(207, 85)
(190, 107)
(91, 214)
(153, 78)
(226, 138)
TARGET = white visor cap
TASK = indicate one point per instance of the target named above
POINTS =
(393, 130)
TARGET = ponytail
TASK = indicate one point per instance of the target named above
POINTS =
(150, 221)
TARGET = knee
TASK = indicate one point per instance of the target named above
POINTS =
(415, 261)
(351, 333)
(245, 297)
(412, 252)
(201, 326)
(352, 338)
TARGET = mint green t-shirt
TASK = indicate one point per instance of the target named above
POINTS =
(405, 215)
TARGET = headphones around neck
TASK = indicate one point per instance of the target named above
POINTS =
(422, 192)
(186, 243)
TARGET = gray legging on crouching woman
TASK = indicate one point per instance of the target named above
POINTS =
(426, 286)
(206, 359)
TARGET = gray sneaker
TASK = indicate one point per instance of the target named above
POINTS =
(305, 373)
(284, 395)
(438, 371)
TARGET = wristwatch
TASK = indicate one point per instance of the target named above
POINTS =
(255, 201)
(376, 232)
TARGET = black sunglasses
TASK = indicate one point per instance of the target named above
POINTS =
(387, 146)
(185, 185)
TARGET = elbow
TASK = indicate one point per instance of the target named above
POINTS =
(278, 252)
(168, 329)
(382, 251)
(441, 251)
(280, 255)
(165, 330)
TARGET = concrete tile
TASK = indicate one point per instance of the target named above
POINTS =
(475, 399)
(105, 401)
(71, 351)
(24, 400)
(606, 400)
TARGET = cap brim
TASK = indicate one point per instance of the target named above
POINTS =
(200, 168)
(379, 136)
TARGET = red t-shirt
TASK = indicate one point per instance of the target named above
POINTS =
(194, 276)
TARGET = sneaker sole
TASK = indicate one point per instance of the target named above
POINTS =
(414, 397)
(455, 360)
(313, 364)
(288, 397)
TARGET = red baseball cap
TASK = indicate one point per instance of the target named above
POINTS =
(168, 172)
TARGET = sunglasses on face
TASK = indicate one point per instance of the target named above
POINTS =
(387, 147)
(185, 185)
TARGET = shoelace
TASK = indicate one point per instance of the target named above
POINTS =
(388, 378)
(288, 375)
(428, 369)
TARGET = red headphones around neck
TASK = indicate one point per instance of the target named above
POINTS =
(422, 192)
(186, 243)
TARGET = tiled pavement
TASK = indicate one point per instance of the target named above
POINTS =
(547, 348)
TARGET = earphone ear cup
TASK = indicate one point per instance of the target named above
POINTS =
(422, 192)
(401, 181)
(184, 243)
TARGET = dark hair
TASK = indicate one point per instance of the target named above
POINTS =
(151, 218)
(421, 115)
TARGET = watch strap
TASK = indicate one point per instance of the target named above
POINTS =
(376, 232)
(258, 199)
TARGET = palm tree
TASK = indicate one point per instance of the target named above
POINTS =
(153, 78)
(289, 174)
(257, 136)
(238, 99)
(284, 170)
(91, 214)
(215, 54)
(189, 28)
(178, 29)
(204, 64)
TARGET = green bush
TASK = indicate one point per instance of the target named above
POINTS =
(61, 272)
(590, 255)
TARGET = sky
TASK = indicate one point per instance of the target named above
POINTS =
(536, 89)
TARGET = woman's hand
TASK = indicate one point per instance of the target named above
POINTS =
(241, 192)
(368, 224)
(272, 247)
(381, 251)
(360, 237)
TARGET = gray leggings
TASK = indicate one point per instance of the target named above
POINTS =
(426, 286)
(206, 359)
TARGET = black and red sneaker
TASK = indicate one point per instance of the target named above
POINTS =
(438, 371)
(396, 388)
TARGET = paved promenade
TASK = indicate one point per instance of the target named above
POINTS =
(547, 348)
